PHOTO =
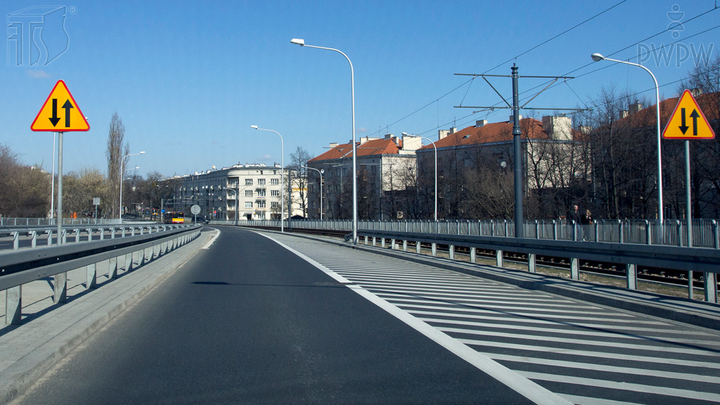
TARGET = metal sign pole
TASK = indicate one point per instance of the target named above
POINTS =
(60, 198)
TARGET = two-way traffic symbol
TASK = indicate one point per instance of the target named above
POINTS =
(71, 119)
(677, 127)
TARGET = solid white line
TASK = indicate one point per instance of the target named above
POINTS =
(210, 242)
(576, 399)
(509, 378)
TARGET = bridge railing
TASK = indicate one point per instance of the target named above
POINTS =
(6, 222)
(18, 267)
(647, 232)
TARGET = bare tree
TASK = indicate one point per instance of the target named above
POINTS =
(24, 190)
(114, 154)
(298, 161)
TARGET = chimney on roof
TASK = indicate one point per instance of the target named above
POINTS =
(480, 123)
(445, 132)
(624, 114)
(559, 128)
(635, 107)
(696, 92)
(333, 145)
(411, 143)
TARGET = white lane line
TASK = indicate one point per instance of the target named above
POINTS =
(582, 342)
(509, 378)
(210, 242)
(584, 353)
(611, 369)
(576, 399)
(648, 389)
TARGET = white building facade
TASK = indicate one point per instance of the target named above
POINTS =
(246, 192)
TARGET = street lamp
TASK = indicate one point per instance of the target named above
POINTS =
(436, 173)
(122, 173)
(598, 57)
(301, 42)
(322, 171)
(282, 176)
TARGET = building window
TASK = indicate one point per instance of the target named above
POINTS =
(261, 193)
(274, 182)
(248, 193)
(248, 182)
(248, 204)
(275, 193)
(261, 182)
(260, 204)
(275, 205)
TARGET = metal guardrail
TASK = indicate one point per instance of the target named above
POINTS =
(5, 222)
(23, 266)
(34, 233)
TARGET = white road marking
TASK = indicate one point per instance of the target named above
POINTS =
(509, 378)
(210, 242)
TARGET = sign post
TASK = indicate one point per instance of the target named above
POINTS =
(687, 111)
(50, 119)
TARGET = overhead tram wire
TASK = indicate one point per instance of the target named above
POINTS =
(509, 60)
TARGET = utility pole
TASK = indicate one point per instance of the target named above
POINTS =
(517, 132)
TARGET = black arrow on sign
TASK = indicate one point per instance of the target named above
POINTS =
(694, 116)
(67, 106)
(54, 119)
(682, 126)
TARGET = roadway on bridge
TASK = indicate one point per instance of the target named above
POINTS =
(248, 321)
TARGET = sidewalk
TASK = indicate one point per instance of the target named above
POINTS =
(49, 332)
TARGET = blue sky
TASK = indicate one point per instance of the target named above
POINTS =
(188, 79)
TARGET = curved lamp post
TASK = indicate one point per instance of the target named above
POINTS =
(122, 172)
(598, 57)
(282, 176)
(301, 42)
(321, 187)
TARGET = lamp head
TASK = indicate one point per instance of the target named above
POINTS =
(142, 152)
(254, 126)
(298, 41)
(405, 134)
(596, 57)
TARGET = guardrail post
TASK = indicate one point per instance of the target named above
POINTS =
(621, 231)
(531, 263)
(16, 240)
(691, 285)
(374, 241)
(382, 242)
(404, 245)
(434, 249)
(49, 238)
(417, 246)
(537, 229)
(102, 234)
(392, 244)
(91, 271)
(575, 268)
(77, 235)
(451, 250)
(555, 230)
(711, 287)
(13, 305)
(648, 233)
(112, 268)
(89, 232)
(128, 262)
(631, 273)
(60, 288)
(499, 258)
(473, 255)
(64, 236)
(112, 232)
(132, 231)
(33, 243)
(575, 231)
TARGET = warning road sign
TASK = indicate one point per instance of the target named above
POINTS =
(688, 121)
(60, 113)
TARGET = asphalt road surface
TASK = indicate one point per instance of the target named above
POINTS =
(248, 321)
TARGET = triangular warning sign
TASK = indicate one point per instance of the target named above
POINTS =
(688, 121)
(60, 113)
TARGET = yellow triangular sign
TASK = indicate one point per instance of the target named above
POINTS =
(60, 113)
(688, 121)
